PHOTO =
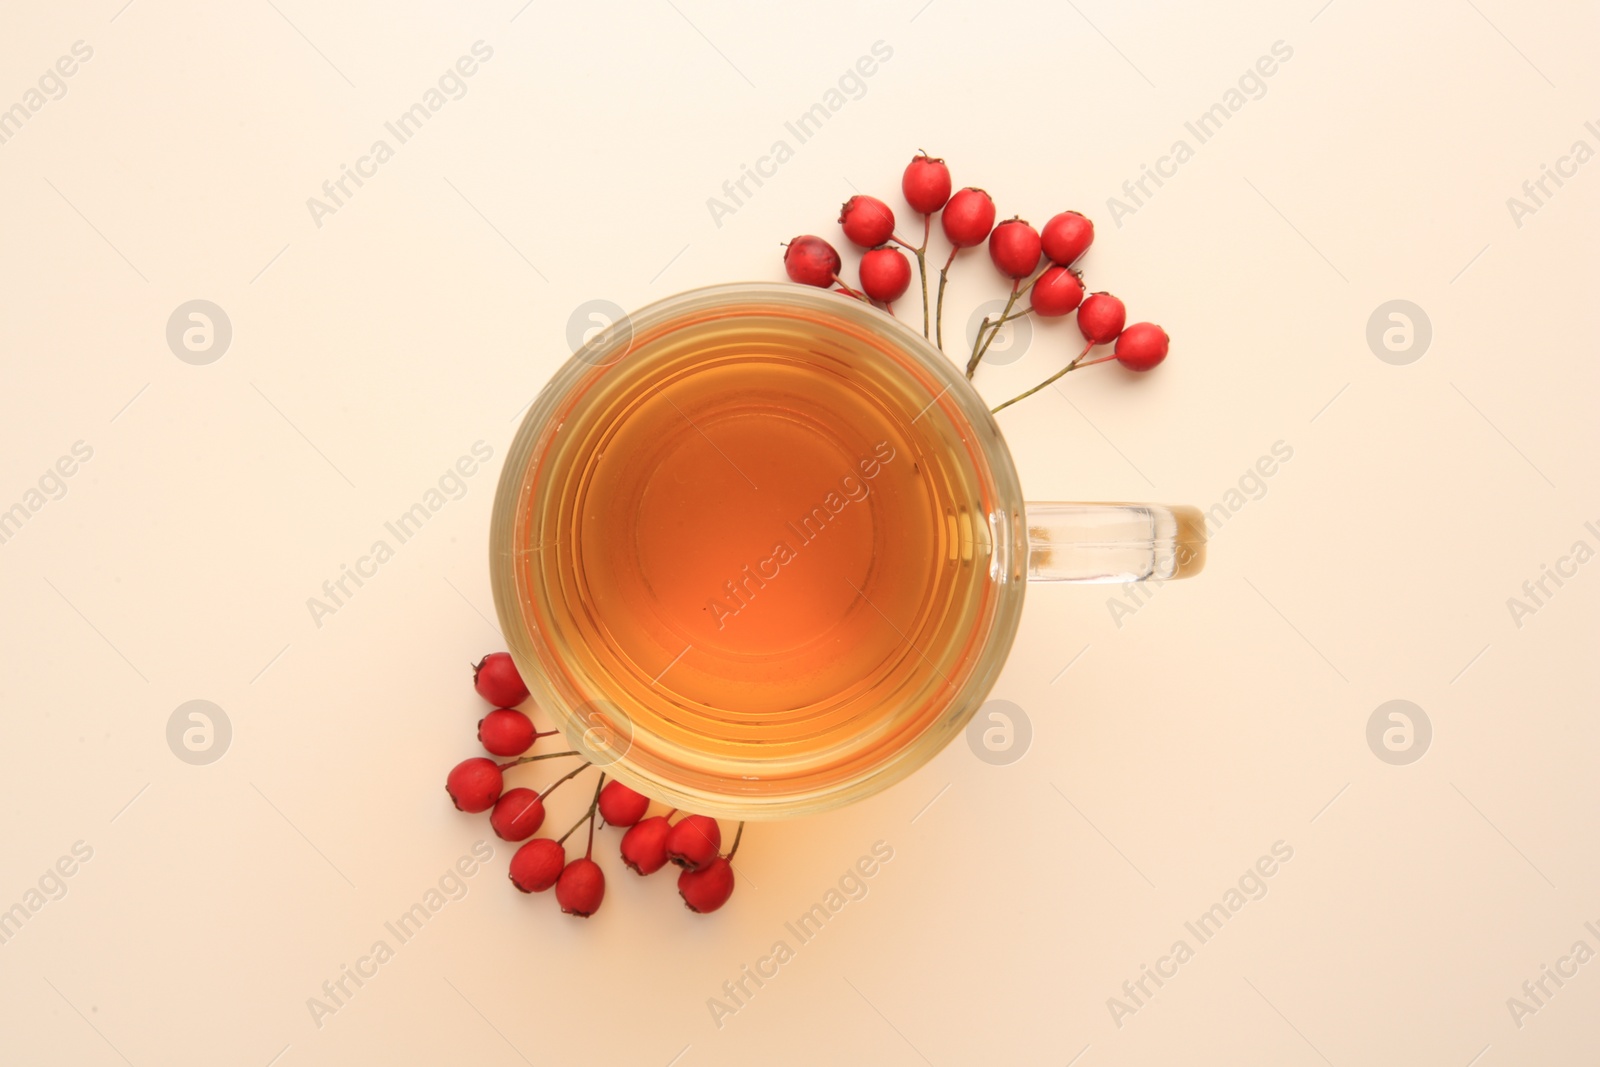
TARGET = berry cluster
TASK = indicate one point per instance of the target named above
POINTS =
(1039, 263)
(693, 843)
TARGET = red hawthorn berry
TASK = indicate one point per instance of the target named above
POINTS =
(1066, 237)
(811, 261)
(497, 681)
(694, 841)
(1100, 318)
(506, 732)
(968, 217)
(926, 183)
(621, 806)
(1141, 346)
(474, 784)
(709, 888)
(536, 865)
(644, 846)
(885, 274)
(1057, 292)
(581, 888)
(517, 815)
(1014, 248)
(866, 220)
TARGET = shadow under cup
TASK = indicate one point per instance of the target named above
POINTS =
(758, 550)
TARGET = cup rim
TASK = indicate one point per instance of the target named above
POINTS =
(1007, 527)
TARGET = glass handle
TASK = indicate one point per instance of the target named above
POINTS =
(1114, 542)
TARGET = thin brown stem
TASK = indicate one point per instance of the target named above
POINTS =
(1005, 317)
(981, 344)
(587, 816)
(922, 269)
(737, 836)
(1107, 358)
(840, 282)
(563, 838)
(922, 272)
(565, 778)
(1025, 286)
(594, 807)
(938, 318)
(1074, 365)
(995, 324)
(506, 766)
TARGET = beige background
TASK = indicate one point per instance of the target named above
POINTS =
(1228, 714)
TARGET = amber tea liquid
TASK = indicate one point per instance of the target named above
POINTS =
(758, 542)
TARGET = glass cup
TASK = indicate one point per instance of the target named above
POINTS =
(736, 733)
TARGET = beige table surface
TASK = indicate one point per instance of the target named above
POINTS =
(376, 340)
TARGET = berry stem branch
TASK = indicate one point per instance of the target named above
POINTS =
(996, 323)
(1103, 359)
(1074, 365)
(594, 806)
(845, 288)
(737, 836)
(994, 327)
(938, 318)
(506, 766)
(981, 345)
(587, 816)
(565, 778)
(922, 268)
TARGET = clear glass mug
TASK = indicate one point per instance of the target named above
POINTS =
(614, 694)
